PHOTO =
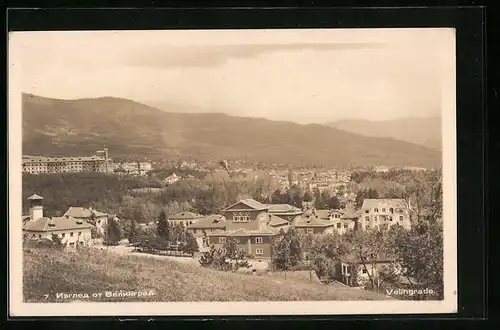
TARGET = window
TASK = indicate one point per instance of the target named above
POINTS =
(63, 234)
(344, 270)
(367, 211)
(375, 218)
(338, 225)
(259, 251)
(375, 210)
(39, 236)
(71, 234)
(391, 210)
(346, 225)
(79, 233)
(390, 218)
(98, 221)
(222, 240)
(400, 218)
(367, 218)
(364, 270)
(33, 236)
(258, 240)
(71, 244)
(383, 210)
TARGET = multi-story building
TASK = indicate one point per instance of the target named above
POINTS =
(40, 164)
(72, 231)
(184, 218)
(247, 222)
(376, 212)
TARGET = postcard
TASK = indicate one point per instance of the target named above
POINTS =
(232, 172)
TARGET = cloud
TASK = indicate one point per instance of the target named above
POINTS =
(212, 55)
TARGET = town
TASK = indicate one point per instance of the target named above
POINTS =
(345, 226)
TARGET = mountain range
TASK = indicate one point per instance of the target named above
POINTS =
(423, 131)
(55, 127)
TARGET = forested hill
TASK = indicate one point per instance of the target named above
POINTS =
(131, 129)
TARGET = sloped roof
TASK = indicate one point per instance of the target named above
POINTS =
(239, 232)
(350, 214)
(283, 208)
(276, 221)
(35, 197)
(304, 222)
(322, 214)
(185, 216)
(83, 212)
(47, 224)
(369, 203)
(264, 231)
(210, 221)
(251, 203)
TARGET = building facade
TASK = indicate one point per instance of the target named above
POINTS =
(247, 222)
(41, 165)
(377, 212)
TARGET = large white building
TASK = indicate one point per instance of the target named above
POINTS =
(376, 212)
(39, 164)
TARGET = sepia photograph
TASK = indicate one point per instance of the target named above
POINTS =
(232, 172)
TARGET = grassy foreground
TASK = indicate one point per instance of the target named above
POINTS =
(49, 272)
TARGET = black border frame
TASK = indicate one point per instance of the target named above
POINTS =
(470, 37)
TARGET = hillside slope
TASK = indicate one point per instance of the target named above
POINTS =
(423, 131)
(47, 271)
(128, 128)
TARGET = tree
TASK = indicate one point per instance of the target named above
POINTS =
(191, 246)
(307, 196)
(287, 250)
(333, 203)
(133, 232)
(163, 228)
(421, 251)
(113, 233)
(368, 248)
(57, 241)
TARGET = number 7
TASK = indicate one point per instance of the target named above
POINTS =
(46, 296)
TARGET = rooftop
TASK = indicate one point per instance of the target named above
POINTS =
(185, 216)
(214, 221)
(47, 224)
(369, 203)
(276, 221)
(35, 197)
(311, 221)
(83, 212)
(251, 203)
(282, 208)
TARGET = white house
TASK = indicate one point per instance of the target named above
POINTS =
(72, 231)
(376, 212)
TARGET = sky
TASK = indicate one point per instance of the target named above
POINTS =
(305, 76)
